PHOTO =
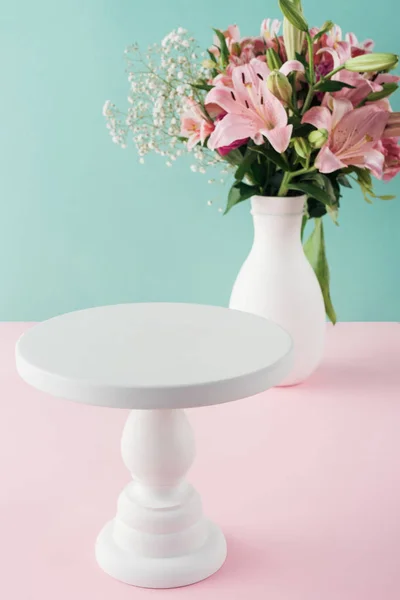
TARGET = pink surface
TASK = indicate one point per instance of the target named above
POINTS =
(306, 484)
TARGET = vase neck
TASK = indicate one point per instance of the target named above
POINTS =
(277, 221)
(277, 206)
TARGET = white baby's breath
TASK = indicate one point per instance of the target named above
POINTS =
(160, 87)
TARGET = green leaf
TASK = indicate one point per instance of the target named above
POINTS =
(302, 130)
(234, 157)
(239, 191)
(223, 47)
(272, 155)
(200, 85)
(312, 190)
(293, 14)
(343, 181)
(245, 165)
(388, 89)
(302, 59)
(304, 222)
(332, 86)
(323, 182)
(212, 57)
(273, 59)
(364, 180)
(315, 209)
(314, 249)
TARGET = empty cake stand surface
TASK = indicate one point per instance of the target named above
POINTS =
(156, 359)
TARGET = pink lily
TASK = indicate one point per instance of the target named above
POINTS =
(252, 110)
(393, 126)
(386, 78)
(353, 134)
(362, 87)
(195, 125)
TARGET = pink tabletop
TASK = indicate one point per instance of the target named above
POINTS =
(315, 483)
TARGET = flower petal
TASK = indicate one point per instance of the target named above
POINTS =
(193, 140)
(319, 116)
(231, 128)
(273, 110)
(225, 98)
(279, 137)
(333, 53)
(340, 108)
(241, 76)
(292, 65)
(327, 162)
(374, 161)
(352, 39)
(261, 69)
(387, 78)
(358, 130)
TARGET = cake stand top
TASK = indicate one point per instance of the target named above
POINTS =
(154, 355)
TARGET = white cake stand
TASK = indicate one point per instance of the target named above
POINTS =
(156, 359)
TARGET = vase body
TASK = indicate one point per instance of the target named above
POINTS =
(277, 282)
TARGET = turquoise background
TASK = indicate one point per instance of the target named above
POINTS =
(83, 224)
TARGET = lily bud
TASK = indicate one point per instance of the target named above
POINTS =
(279, 85)
(318, 138)
(372, 62)
(293, 38)
(273, 60)
(302, 147)
(293, 12)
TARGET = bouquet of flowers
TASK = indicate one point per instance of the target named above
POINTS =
(303, 112)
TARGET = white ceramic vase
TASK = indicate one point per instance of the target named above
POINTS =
(276, 281)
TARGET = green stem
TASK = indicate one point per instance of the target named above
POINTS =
(288, 176)
(311, 74)
(331, 74)
(283, 190)
(308, 100)
(304, 171)
(315, 86)
(310, 58)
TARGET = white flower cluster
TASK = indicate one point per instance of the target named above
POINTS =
(160, 85)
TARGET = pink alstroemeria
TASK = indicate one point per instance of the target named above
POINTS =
(252, 110)
(332, 50)
(359, 48)
(241, 50)
(393, 125)
(333, 45)
(390, 149)
(269, 31)
(353, 134)
(195, 125)
(232, 36)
